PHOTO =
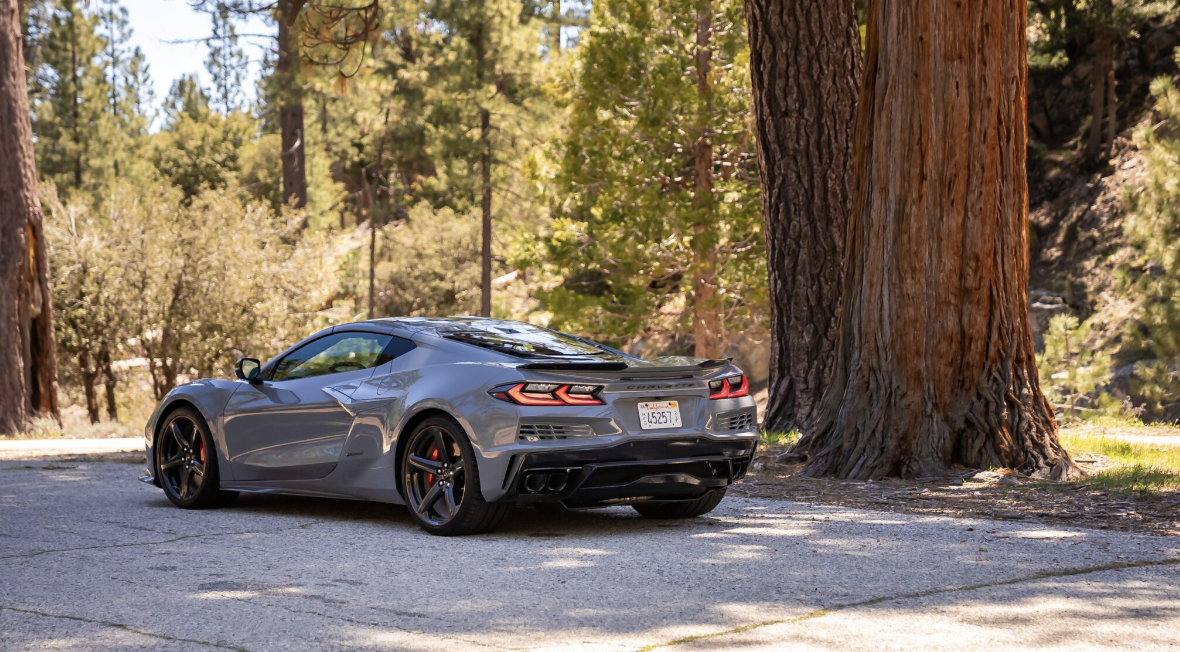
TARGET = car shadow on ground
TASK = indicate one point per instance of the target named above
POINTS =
(550, 521)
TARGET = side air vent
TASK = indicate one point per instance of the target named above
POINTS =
(742, 421)
(548, 431)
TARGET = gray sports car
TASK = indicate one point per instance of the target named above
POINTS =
(459, 419)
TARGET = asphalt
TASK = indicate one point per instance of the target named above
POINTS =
(91, 559)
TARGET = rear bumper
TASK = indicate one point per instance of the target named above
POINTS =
(630, 471)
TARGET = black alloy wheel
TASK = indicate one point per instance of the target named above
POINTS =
(186, 463)
(440, 481)
(435, 475)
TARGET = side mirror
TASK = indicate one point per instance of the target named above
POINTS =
(249, 370)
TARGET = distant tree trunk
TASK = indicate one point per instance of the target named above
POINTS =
(485, 176)
(806, 62)
(89, 377)
(28, 356)
(75, 84)
(934, 367)
(291, 107)
(707, 340)
(555, 26)
(109, 381)
(1102, 96)
(1111, 110)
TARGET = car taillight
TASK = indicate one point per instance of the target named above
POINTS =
(549, 394)
(731, 387)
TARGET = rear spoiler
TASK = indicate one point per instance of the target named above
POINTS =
(575, 366)
(641, 372)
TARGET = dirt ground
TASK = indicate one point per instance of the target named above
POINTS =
(985, 494)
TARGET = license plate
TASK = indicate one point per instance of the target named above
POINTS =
(659, 414)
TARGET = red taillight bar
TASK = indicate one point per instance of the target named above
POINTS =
(587, 399)
(728, 390)
(560, 396)
(517, 395)
(743, 390)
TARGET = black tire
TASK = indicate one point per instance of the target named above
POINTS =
(186, 462)
(454, 481)
(691, 508)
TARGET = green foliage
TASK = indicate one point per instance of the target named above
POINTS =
(1071, 368)
(196, 155)
(186, 98)
(184, 283)
(226, 62)
(1153, 228)
(1060, 30)
(402, 143)
(776, 438)
(430, 264)
(86, 96)
(629, 233)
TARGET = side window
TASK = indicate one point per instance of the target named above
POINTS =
(333, 354)
(398, 346)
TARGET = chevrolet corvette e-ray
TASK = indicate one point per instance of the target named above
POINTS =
(459, 419)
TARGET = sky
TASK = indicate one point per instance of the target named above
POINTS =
(156, 22)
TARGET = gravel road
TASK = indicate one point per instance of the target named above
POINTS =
(91, 559)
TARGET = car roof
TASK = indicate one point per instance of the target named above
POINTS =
(443, 325)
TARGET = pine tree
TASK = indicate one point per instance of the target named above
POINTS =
(129, 88)
(226, 62)
(483, 90)
(1153, 277)
(70, 102)
(657, 223)
(187, 98)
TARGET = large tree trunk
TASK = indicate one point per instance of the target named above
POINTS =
(291, 107)
(805, 61)
(707, 339)
(28, 357)
(934, 367)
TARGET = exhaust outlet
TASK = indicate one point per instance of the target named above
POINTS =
(535, 482)
(557, 482)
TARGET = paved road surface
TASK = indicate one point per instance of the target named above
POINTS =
(91, 559)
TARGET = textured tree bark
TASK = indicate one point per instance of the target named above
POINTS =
(805, 63)
(934, 367)
(291, 106)
(707, 340)
(28, 357)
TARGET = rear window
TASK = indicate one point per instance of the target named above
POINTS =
(530, 342)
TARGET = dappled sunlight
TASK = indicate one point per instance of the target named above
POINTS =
(1115, 609)
(352, 572)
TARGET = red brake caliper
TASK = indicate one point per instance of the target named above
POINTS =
(430, 476)
(201, 450)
